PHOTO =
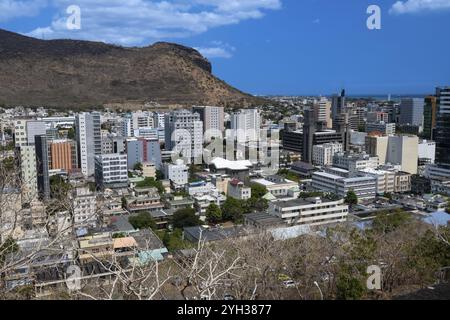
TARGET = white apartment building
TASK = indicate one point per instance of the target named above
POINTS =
(111, 171)
(178, 173)
(354, 162)
(311, 211)
(245, 125)
(427, 150)
(364, 187)
(20, 133)
(323, 154)
(278, 186)
(237, 190)
(322, 111)
(89, 140)
(385, 180)
(213, 119)
(184, 134)
(84, 207)
(158, 120)
(28, 172)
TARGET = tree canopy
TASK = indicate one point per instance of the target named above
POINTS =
(185, 217)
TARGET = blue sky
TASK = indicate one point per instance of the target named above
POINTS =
(270, 46)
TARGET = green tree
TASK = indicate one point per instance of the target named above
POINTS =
(351, 198)
(143, 220)
(349, 287)
(71, 133)
(159, 175)
(138, 167)
(386, 222)
(258, 191)
(233, 210)
(213, 213)
(151, 183)
(185, 218)
(124, 202)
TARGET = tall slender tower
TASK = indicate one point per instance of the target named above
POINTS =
(89, 141)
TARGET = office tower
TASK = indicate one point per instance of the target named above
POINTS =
(213, 119)
(396, 150)
(127, 127)
(309, 129)
(245, 125)
(322, 112)
(378, 117)
(411, 111)
(442, 137)
(35, 128)
(337, 105)
(429, 117)
(89, 140)
(385, 129)
(42, 166)
(143, 150)
(111, 171)
(27, 160)
(63, 155)
(113, 144)
(184, 134)
(323, 154)
(142, 120)
(158, 120)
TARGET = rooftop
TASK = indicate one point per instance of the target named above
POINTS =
(238, 165)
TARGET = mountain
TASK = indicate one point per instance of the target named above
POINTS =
(71, 73)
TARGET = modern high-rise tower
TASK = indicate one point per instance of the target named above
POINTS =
(89, 140)
(443, 127)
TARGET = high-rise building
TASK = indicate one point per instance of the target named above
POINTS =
(27, 159)
(213, 119)
(442, 137)
(337, 105)
(63, 155)
(143, 150)
(42, 166)
(89, 140)
(323, 154)
(20, 133)
(184, 134)
(411, 111)
(429, 117)
(246, 125)
(111, 171)
(396, 150)
(158, 120)
(35, 128)
(322, 112)
(309, 129)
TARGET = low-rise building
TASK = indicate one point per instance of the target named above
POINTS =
(278, 186)
(364, 187)
(238, 190)
(402, 182)
(310, 211)
(385, 180)
(144, 199)
(111, 171)
(177, 173)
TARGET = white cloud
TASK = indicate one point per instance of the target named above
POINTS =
(10, 9)
(413, 6)
(217, 49)
(139, 22)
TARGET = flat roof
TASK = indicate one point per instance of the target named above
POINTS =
(221, 163)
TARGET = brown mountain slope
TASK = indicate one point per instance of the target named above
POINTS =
(69, 73)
